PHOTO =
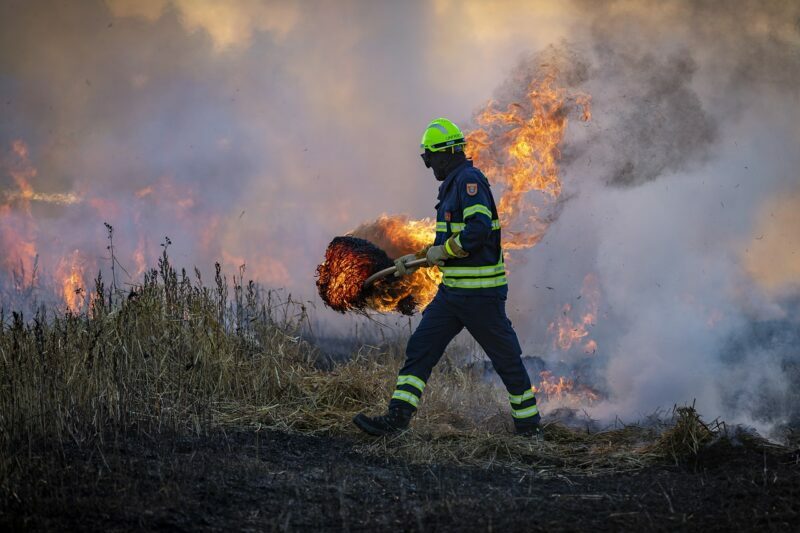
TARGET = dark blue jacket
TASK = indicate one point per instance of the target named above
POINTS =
(466, 208)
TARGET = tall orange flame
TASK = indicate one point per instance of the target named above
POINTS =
(518, 150)
(18, 229)
(19, 234)
(71, 279)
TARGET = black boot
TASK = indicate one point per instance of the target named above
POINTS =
(395, 420)
(529, 427)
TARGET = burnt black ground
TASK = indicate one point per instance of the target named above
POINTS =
(279, 481)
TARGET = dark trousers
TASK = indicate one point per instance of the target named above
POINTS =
(485, 318)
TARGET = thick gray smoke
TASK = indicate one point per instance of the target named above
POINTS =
(694, 133)
(253, 132)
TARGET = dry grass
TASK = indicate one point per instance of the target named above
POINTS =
(176, 357)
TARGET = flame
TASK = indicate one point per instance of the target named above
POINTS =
(518, 151)
(422, 285)
(19, 235)
(71, 281)
(568, 331)
(144, 191)
(22, 172)
(18, 230)
(564, 391)
(139, 259)
(19, 257)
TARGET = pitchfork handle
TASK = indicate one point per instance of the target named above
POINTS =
(391, 270)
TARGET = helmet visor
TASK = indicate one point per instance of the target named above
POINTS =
(426, 158)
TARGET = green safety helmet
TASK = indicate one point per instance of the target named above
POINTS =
(441, 134)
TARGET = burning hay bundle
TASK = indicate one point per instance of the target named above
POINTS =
(349, 262)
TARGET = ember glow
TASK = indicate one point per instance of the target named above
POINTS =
(349, 261)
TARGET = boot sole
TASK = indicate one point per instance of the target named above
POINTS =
(362, 423)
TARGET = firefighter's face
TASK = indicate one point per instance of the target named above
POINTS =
(438, 162)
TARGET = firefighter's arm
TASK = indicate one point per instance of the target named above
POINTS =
(476, 213)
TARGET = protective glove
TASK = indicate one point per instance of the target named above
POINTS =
(437, 255)
(400, 264)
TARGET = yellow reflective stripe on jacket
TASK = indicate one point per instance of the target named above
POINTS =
(475, 283)
(477, 208)
(414, 381)
(459, 226)
(517, 399)
(473, 271)
(525, 413)
(441, 227)
(406, 397)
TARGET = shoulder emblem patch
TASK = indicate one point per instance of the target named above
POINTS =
(472, 189)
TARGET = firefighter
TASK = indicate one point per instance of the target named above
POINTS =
(472, 294)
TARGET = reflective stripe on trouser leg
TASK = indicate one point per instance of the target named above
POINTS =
(523, 405)
(408, 389)
(407, 397)
(525, 413)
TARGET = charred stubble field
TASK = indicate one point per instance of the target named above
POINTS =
(274, 480)
(184, 407)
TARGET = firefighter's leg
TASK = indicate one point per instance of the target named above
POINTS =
(486, 320)
(437, 328)
(425, 347)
